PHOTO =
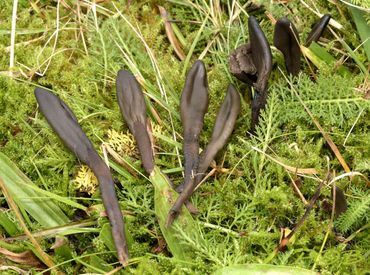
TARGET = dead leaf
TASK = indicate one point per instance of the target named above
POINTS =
(296, 170)
(330, 142)
(26, 258)
(59, 242)
(14, 268)
(159, 247)
(171, 35)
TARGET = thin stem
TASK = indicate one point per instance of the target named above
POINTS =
(12, 35)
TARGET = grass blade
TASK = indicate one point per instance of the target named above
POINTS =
(11, 202)
(249, 269)
(184, 229)
(362, 28)
(8, 225)
(327, 58)
(44, 211)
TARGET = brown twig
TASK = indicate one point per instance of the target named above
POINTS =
(296, 189)
(170, 34)
(120, 160)
(284, 242)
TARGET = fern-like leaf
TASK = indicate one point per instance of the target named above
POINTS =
(356, 213)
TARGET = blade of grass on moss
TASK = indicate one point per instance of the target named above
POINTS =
(192, 47)
(362, 28)
(8, 224)
(322, 54)
(351, 53)
(44, 211)
(53, 196)
(184, 232)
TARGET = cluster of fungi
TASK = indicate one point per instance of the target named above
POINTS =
(250, 63)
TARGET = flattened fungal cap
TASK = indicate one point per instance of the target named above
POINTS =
(286, 39)
(133, 108)
(241, 64)
(261, 54)
(318, 29)
(65, 124)
(252, 64)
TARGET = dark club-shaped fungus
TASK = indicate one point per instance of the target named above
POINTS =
(286, 39)
(193, 106)
(242, 66)
(252, 64)
(224, 125)
(261, 54)
(65, 124)
(223, 128)
(317, 29)
(340, 201)
(132, 104)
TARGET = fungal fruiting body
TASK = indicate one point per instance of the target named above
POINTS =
(133, 108)
(65, 124)
(252, 64)
(132, 104)
(317, 29)
(223, 128)
(286, 39)
(193, 107)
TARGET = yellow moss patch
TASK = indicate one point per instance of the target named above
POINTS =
(122, 143)
(85, 180)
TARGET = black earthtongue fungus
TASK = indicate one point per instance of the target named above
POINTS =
(224, 126)
(222, 130)
(261, 54)
(242, 66)
(286, 39)
(132, 104)
(193, 106)
(340, 201)
(65, 124)
(317, 29)
(252, 64)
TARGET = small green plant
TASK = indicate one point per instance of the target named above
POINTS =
(355, 215)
